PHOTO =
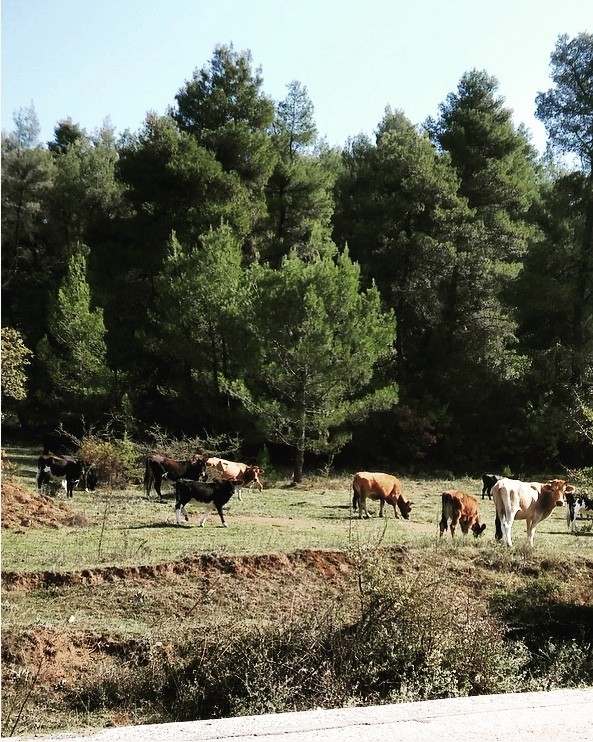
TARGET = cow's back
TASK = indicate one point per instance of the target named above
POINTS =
(377, 484)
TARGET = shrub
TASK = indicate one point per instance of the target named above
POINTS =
(113, 461)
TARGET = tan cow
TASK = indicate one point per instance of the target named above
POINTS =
(241, 474)
(382, 487)
(529, 501)
(460, 508)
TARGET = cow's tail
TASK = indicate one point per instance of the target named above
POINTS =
(148, 478)
(355, 497)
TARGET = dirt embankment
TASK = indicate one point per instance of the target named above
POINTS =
(23, 509)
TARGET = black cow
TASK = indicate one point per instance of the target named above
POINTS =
(488, 482)
(214, 494)
(67, 468)
(577, 505)
(161, 467)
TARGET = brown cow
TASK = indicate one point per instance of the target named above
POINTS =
(463, 509)
(529, 501)
(382, 487)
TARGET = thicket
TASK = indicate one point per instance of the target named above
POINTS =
(411, 637)
(419, 299)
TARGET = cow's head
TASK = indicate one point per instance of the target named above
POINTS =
(478, 529)
(558, 489)
(405, 507)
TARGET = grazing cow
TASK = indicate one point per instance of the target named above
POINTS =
(67, 468)
(382, 487)
(463, 509)
(161, 467)
(575, 506)
(529, 501)
(214, 494)
(488, 481)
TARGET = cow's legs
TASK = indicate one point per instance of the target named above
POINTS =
(206, 513)
(219, 509)
(179, 511)
(382, 506)
(442, 525)
(362, 506)
(506, 523)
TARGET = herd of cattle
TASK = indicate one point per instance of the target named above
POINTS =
(213, 481)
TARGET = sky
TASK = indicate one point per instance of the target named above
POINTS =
(113, 61)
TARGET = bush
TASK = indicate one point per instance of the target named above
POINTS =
(113, 461)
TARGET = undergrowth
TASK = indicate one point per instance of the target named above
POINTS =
(412, 635)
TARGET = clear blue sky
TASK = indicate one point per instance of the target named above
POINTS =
(92, 60)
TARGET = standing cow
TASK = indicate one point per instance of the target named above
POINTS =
(529, 501)
(68, 468)
(243, 474)
(213, 494)
(576, 506)
(162, 467)
(378, 486)
(488, 482)
(458, 507)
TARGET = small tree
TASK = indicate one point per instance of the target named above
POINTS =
(319, 339)
(15, 357)
(73, 354)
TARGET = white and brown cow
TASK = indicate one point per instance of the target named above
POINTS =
(378, 486)
(243, 475)
(529, 501)
(458, 507)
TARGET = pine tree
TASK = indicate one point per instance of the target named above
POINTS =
(317, 342)
(73, 352)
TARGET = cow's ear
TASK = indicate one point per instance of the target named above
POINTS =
(569, 489)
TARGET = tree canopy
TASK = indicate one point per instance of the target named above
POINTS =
(422, 297)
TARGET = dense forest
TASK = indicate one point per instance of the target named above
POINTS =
(420, 299)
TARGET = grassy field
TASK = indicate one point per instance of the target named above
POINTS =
(125, 527)
(95, 611)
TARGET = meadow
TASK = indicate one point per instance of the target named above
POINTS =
(115, 615)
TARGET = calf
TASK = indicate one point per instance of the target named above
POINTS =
(378, 486)
(529, 501)
(67, 468)
(162, 467)
(488, 482)
(575, 506)
(463, 509)
(214, 494)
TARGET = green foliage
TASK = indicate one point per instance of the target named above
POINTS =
(113, 461)
(482, 254)
(73, 354)
(316, 358)
(224, 108)
(14, 359)
(566, 109)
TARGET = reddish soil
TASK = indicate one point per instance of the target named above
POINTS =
(24, 509)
